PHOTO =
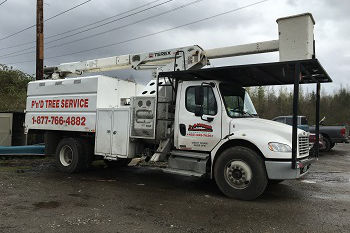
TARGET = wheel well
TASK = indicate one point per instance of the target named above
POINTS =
(52, 138)
(237, 142)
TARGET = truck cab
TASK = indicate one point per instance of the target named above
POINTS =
(219, 119)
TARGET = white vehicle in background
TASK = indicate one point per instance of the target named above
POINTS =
(200, 121)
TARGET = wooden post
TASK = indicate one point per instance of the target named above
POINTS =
(40, 40)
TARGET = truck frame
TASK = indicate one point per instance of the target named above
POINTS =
(200, 121)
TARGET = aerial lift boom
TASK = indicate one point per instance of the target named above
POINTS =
(295, 42)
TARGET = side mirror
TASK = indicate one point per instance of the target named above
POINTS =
(198, 95)
(198, 111)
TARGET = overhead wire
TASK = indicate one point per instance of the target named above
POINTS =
(107, 31)
(86, 30)
(50, 18)
(83, 26)
(151, 34)
(3, 2)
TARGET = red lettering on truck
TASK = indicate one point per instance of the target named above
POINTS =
(61, 103)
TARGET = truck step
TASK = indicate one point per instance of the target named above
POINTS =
(182, 172)
(188, 162)
(189, 154)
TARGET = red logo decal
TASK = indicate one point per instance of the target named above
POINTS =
(200, 127)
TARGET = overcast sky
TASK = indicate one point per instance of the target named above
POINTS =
(253, 24)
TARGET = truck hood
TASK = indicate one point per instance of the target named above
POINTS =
(274, 130)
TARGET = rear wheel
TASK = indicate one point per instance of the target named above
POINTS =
(327, 144)
(121, 162)
(71, 156)
(240, 173)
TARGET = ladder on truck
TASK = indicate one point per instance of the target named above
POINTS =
(167, 119)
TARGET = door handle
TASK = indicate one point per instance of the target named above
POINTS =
(114, 132)
(182, 129)
(209, 119)
(108, 131)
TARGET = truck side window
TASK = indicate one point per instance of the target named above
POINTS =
(209, 103)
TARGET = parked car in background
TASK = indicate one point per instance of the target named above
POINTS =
(302, 121)
(302, 124)
(312, 140)
(330, 134)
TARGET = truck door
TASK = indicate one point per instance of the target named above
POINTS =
(200, 133)
(103, 132)
(120, 133)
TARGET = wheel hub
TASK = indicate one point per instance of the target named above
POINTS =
(66, 155)
(238, 174)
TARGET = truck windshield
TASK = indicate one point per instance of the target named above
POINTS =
(237, 101)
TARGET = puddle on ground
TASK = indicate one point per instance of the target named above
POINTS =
(328, 177)
(47, 204)
(309, 181)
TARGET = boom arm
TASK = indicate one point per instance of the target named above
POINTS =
(165, 60)
(296, 42)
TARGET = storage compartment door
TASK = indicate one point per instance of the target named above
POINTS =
(103, 132)
(5, 129)
(120, 135)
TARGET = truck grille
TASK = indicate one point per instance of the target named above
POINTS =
(303, 145)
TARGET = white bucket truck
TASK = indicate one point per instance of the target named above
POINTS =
(201, 121)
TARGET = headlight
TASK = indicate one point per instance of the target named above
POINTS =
(279, 147)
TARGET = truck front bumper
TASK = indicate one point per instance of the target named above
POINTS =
(282, 170)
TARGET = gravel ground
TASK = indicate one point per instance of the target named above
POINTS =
(36, 198)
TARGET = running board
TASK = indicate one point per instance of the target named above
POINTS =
(188, 163)
(189, 154)
(182, 172)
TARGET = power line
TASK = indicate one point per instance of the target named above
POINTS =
(84, 26)
(49, 42)
(101, 33)
(3, 2)
(105, 19)
(152, 34)
(61, 13)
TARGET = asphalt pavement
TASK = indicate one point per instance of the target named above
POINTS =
(34, 197)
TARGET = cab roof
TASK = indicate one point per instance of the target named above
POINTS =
(262, 74)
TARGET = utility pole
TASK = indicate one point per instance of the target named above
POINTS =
(40, 40)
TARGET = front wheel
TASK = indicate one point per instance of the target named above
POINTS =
(240, 173)
(275, 181)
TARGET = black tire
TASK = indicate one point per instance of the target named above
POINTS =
(71, 156)
(243, 157)
(332, 145)
(88, 148)
(275, 181)
(121, 162)
(327, 144)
